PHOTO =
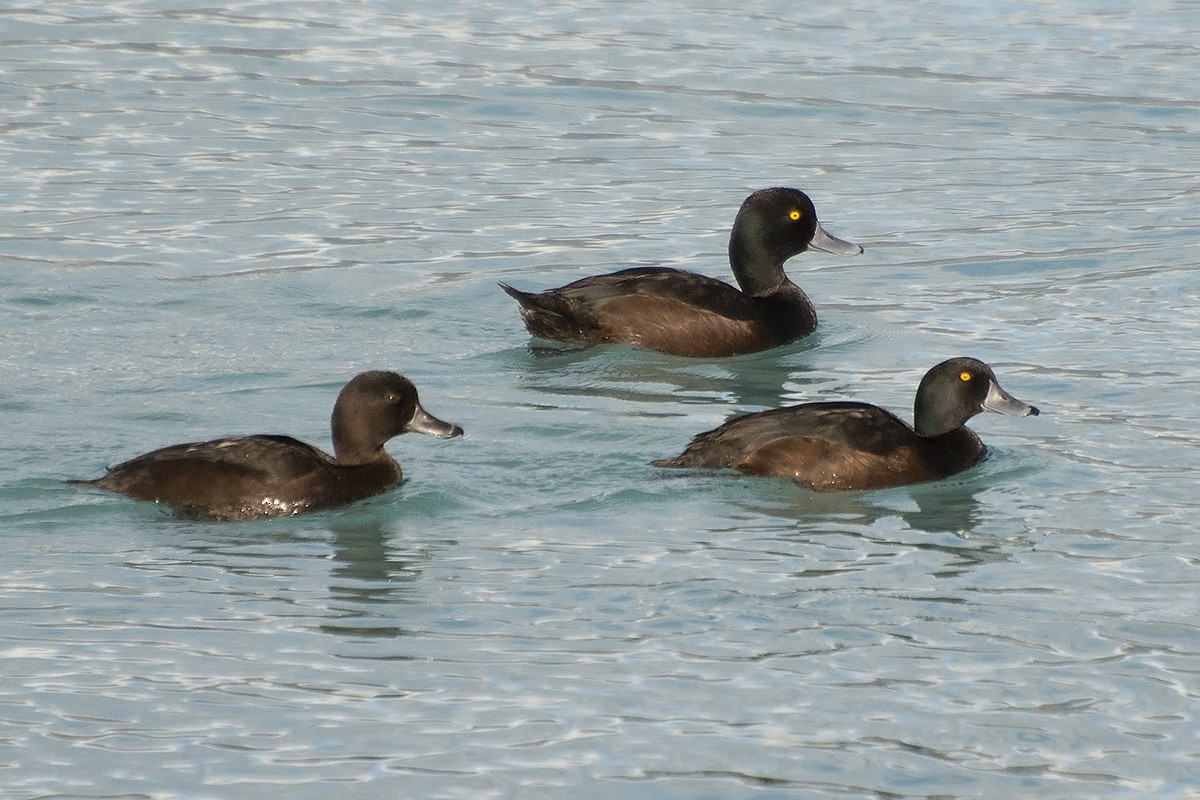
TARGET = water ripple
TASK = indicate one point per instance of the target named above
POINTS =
(214, 216)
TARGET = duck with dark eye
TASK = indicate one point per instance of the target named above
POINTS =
(260, 476)
(688, 314)
(835, 446)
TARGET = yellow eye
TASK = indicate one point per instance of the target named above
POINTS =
(794, 214)
(964, 376)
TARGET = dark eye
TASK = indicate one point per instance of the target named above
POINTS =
(393, 399)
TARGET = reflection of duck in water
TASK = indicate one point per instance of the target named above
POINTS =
(372, 570)
(270, 476)
(835, 446)
(688, 314)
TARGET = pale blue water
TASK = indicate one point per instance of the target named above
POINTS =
(212, 218)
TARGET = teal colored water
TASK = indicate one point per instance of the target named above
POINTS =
(213, 218)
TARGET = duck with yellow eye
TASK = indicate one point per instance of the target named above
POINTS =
(836, 446)
(688, 314)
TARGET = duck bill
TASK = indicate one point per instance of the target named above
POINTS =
(826, 243)
(424, 422)
(1002, 402)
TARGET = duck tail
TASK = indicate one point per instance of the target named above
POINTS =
(516, 294)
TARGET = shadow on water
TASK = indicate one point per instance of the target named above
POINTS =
(367, 569)
(618, 372)
(939, 510)
(945, 516)
(370, 576)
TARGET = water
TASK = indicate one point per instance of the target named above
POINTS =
(212, 218)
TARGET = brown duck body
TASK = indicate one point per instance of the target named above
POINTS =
(669, 310)
(832, 446)
(248, 477)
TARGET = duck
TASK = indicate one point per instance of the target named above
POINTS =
(265, 475)
(843, 445)
(687, 314)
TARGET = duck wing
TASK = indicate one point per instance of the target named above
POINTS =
(185, 469)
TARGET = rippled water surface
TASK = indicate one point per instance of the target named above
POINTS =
(214, 216)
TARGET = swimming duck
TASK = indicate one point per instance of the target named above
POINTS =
(835, 446)
(688, 314)
(260, 476)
